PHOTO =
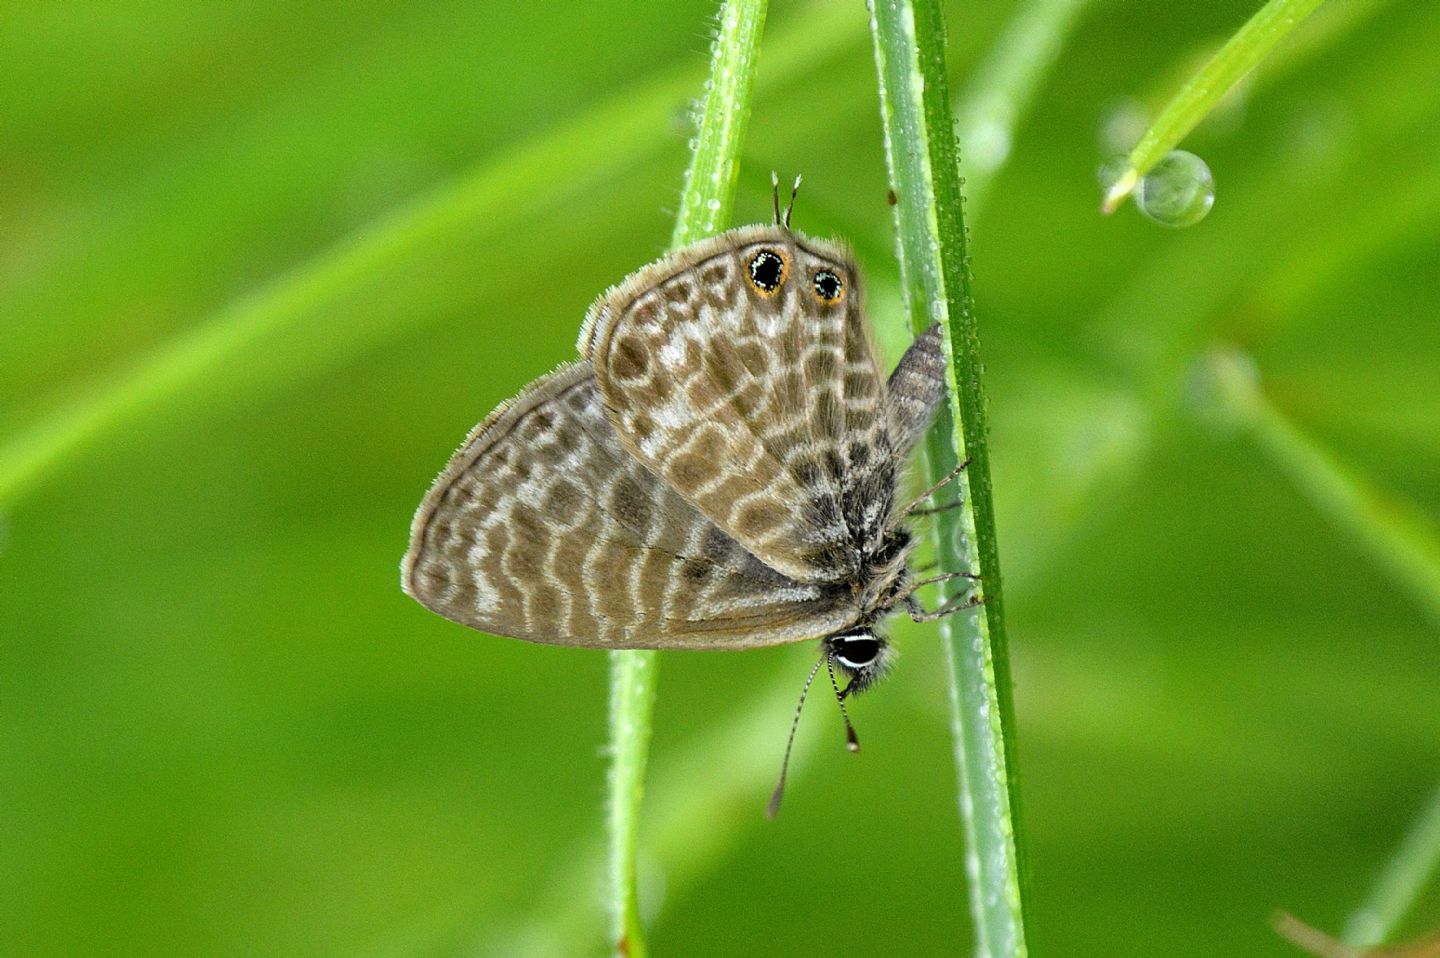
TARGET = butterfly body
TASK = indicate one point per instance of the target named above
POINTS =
(720, 470)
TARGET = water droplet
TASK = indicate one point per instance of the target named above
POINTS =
(712, 204)
(1178, 192)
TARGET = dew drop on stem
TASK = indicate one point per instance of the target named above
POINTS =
(1177, 192)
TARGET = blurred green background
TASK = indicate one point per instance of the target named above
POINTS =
(224, 730)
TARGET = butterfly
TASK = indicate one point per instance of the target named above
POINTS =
(721, 470)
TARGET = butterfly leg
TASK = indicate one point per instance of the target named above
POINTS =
(915, 503)
(913, 604)
(918, 613)
(943, 577)
(936, 510)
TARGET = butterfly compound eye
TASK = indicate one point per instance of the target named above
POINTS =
(767, 271)
(829, 288)
(862, 655)
(857, 652)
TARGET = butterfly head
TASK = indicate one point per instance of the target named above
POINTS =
(861, 655)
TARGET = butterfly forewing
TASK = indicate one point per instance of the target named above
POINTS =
(544, 527)
(731, 372)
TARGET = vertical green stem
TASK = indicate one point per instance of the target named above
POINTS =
(710, 181)
(924, 167)
(632, 706)
(704, 209)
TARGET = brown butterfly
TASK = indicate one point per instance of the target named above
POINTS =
(720, 471)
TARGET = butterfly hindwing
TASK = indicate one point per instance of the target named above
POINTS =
(915, 390)
(543, 527)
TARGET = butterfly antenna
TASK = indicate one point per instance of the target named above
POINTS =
(794, 191)
(775, 196)
(785, 765)
(852, 741)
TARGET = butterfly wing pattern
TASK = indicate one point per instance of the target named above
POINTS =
(710, 476)
(915, 391)
(544, 528)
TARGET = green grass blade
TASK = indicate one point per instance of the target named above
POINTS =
(1194, 101)
(632, 709)
(704, 209)
(924, 167)
(1399, 537)
(710, 181)
(713, 780)
(1407, 874)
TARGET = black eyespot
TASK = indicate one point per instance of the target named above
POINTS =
(828, 286)
(767, 270)
(857, 652)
